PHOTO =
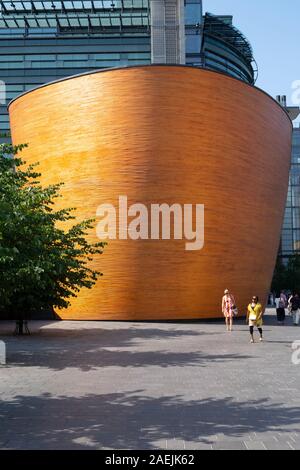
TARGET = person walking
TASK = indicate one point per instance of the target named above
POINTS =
(283, 298)
(289, 305)
(280, 302)
(228, 309)
(272, 299)
(254, 318)
(294, 302)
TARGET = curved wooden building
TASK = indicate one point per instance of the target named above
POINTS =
(165, 134)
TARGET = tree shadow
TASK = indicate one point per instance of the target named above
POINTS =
(133, 420)
(92, 349)
(92, 360)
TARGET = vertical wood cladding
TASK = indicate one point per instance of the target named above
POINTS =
(165, 134)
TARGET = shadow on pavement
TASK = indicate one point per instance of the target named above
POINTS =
(134, 421)
(92, 349)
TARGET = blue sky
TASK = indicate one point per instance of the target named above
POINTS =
(273, 29)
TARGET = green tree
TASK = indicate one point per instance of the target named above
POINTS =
(287, 276)
(42, 265)
(279, 281)
(293, 273)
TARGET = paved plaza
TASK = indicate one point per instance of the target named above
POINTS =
(117, 385)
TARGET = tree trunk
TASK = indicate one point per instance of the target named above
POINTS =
(21, 326)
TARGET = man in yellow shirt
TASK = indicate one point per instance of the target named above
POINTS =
(254, 317)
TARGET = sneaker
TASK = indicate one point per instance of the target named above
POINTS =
(261, 339)
(252, 341)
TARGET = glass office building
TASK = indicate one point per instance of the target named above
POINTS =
(225, 49)
(290, 239)
(42, 41)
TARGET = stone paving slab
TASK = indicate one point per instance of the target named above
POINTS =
(271, 445)
(118, 385)
(255, 445)
(229, 445)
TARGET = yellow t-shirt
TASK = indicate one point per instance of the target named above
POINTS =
(255, 313)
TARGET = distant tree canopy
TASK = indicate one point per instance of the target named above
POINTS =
(287, 276)
(42, 265)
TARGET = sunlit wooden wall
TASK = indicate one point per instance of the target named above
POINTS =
(166, 134)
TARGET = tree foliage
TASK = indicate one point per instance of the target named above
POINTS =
(42, 265)
(287, 276)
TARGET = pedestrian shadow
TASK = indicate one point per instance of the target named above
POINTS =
(132, 420)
